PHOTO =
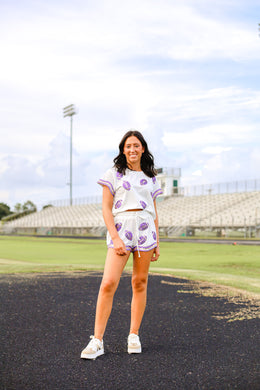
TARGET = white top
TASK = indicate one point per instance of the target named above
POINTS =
(134, 190)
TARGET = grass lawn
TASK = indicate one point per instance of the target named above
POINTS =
(237, 266)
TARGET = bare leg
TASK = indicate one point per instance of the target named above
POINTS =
(139, 287)
(114, 267)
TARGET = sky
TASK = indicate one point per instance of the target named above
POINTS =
(184, 73)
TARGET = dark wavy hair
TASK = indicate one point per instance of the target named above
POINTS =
(147, 160)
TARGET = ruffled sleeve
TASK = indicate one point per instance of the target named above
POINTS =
(108, 180)
(156, 188)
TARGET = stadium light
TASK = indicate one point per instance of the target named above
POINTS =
(70, 111)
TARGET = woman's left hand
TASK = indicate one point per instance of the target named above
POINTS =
(156, 254)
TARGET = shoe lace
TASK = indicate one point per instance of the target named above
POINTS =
(95, 343)
(133, 339)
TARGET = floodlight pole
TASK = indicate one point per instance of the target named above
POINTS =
(70, 111)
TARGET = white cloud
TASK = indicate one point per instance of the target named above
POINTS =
(233, 165)
(195, 104)
(215, 149)
(4, 196)
(197, 173)
(221, 133)
(185, 73)
(53, 47)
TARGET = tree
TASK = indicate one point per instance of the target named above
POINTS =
(46, 206)
(27, 206)
(18, 208)
(4, 210)
(30, 206)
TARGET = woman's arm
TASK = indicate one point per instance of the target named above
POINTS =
(107, 205)
(156, 253)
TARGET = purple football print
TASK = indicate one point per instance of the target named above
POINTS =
(118, 226)
(126, 185)
(143, 182)
(143, 226)
(154, 180)
(128, 235)
(119, 175)
(143, 204)
(118, 204)
(154, 235)
(142, 240)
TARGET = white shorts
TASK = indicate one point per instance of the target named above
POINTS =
(136, 229)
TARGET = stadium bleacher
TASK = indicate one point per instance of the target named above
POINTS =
(222, 211)
(177, 215)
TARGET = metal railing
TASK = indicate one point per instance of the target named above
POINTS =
(197, 190)
(220, 188)
(93, 199)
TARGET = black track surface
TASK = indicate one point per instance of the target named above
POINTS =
(46, 320)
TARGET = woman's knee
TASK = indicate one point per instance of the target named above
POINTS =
(139, 283)
(108, 286)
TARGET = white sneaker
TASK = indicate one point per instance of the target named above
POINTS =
(134, 345)
(94, 349)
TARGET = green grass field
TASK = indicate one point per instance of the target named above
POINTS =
(236, 266)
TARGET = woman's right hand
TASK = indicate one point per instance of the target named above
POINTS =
(119, 247)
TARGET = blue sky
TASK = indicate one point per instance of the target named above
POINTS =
(185, 73)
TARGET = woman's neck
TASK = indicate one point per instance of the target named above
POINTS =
(134, 167)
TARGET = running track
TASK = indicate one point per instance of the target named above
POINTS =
(46, 320)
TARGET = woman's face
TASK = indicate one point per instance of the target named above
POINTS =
(133, 150)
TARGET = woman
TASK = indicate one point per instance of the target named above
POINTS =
(129, 211)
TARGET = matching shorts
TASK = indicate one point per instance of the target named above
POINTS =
(136, 229)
